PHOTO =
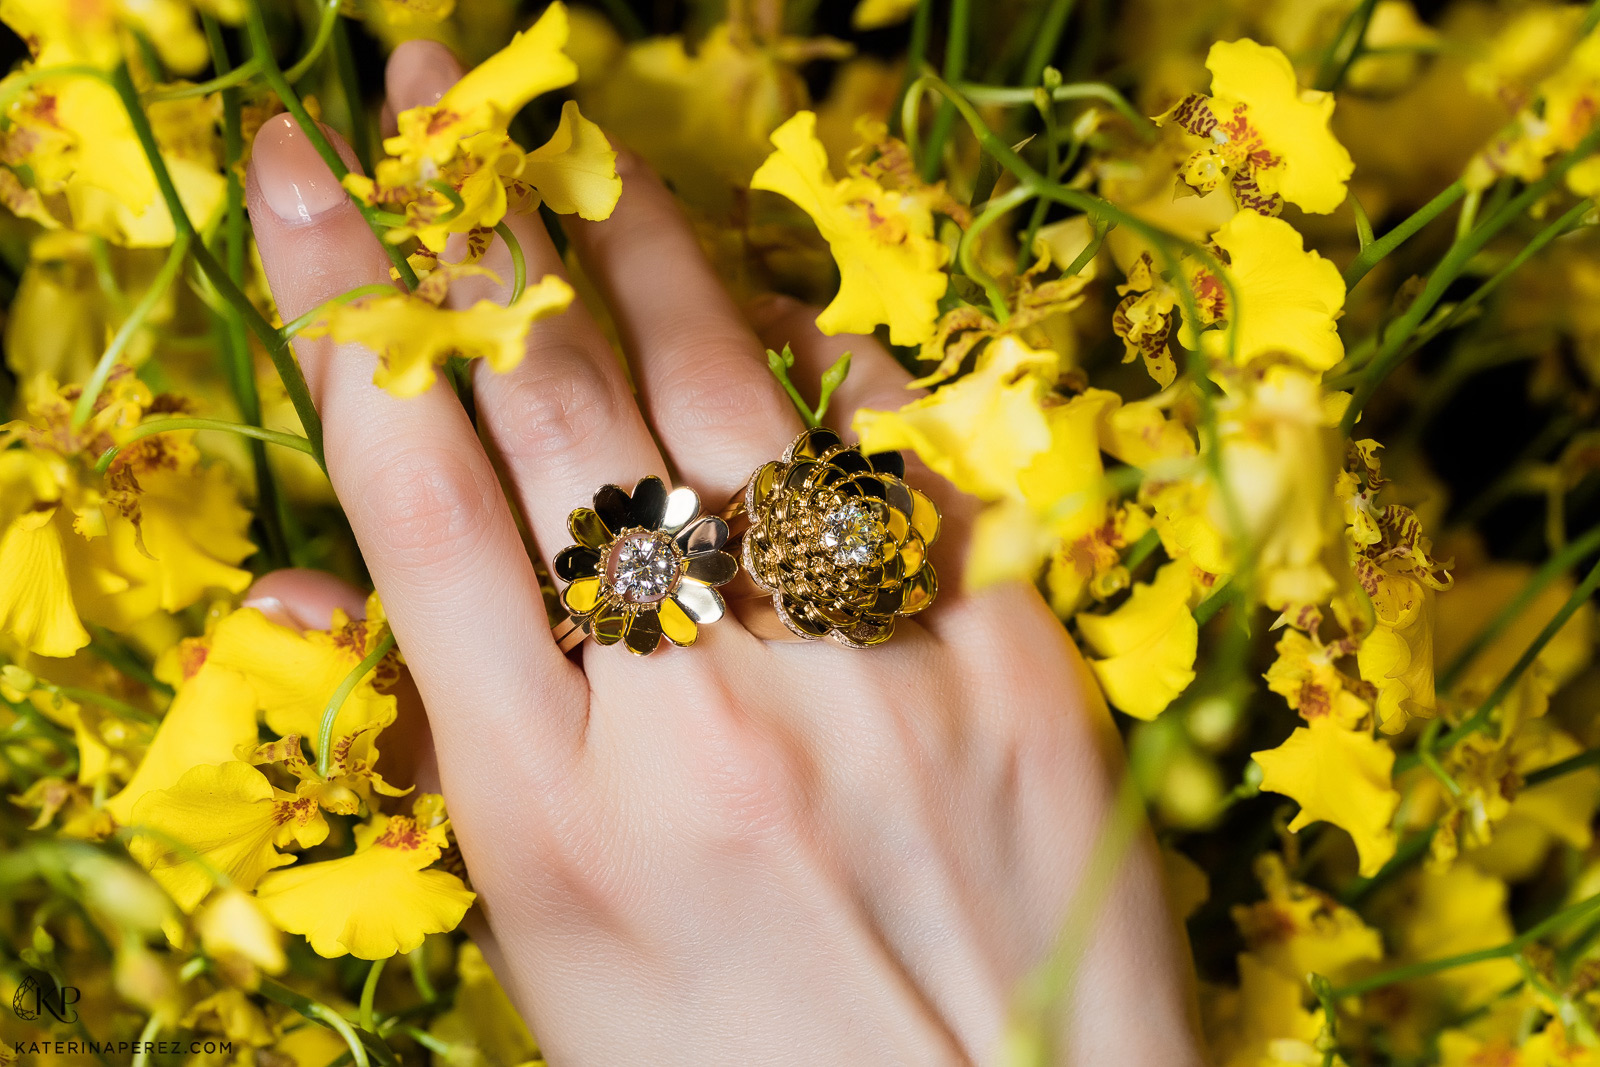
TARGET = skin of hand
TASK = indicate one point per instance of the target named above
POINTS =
(746, 852)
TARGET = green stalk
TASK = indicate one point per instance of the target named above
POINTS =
(955, 65)
(327, 19)
(340, 695)
(294, 382)
(1591, 758)
(1553, 568)
(164, 425)
(147, 1036)
(1392, 350)
(369, 990)
(225, 79)
(358, 1041)
(1047, 40)
(1583, 909)
(967, 254)
(300, 322)
(916, 54)
(239, 364)
(1480, 718)
(1375, 251)
(350, 84)
(519, 265)
(1006, 95)
(261, 44)
(131, 325)
(1336, 62)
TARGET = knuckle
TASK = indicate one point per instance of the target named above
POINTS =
(425, 504)
(549, 415)
(714, 392)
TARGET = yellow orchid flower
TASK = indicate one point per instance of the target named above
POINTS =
(1146, 646)
(980, 431)
(482, 1018)
(1265, 1018)
(1289, 299)
(375, 903)
(213, 713)
(1299, 930)
(231, 816)
(575, 172)
(238, 937)
(412, 335)
(883, 240)
(1306, 676)
(293, 674)
(1341, 776)
(1266, 137)
(153, 535)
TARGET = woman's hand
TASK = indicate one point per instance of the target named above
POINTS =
(745, 852)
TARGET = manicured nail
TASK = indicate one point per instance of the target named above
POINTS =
(296, 184)
(420, 72)
(273, 609)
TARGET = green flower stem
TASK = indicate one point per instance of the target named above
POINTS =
(147, 1036)
(1425, 746)
(1046, 40)
(318, 1012)
(299, 323)
(327, 19)
(519, 265)
(1581, 910)
(89, 696)
(294, 382)
(240, 365)
(369, 990)
(225, 79)
(109, 647)
(1554, 567)
(955, 65)
(340, 695)
(916, 55)
(418, 960)
(1373, 253)
(1090, 250)
(968, 252)
(185, 422)
(1032, 1033)
(1347, 46)
(178, 847)
(344, 63)
(1411, 850)
(131, 325)
(1002, 94)
(1480, 718)
(429, 1042)
(261, 44)
(1591, 758)
(1393, 348)
(1363, 224)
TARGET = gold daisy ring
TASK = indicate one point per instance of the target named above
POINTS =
(646, 566)
(838, 540)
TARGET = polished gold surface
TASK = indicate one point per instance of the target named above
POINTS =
(645, 566)
(838, 540)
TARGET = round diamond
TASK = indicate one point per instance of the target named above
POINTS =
(646, 567)
(854, 532)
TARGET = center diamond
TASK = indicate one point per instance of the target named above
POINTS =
(646, 567)
(854, 532)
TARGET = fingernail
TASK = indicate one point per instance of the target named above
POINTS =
(767, 308)
(296, 184)
(420, 72)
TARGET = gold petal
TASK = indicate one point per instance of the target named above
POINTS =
(762, 483)
(920, 590)
(588, 529)
(683, 504)
(611, 504)
(812, 443)
(607, 624)
(713, 568)
(676, 626)
(896, 522)
(643, 633)
(577, 561)
(699, 601)
(925, 517)
(582, 595)
(912, 555)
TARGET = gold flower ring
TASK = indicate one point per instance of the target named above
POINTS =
(646, 565)
(838, 540)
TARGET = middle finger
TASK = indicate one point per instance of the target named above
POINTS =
(701, 370)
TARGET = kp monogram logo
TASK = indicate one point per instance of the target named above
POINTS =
(33, 998)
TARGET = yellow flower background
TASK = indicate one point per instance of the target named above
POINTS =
(1264, 331)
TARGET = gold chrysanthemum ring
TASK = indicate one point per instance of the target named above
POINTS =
(646, 565)
(838, 540)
